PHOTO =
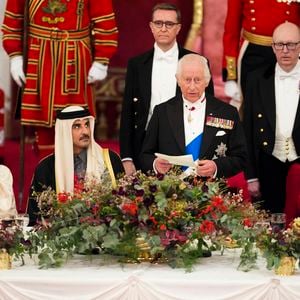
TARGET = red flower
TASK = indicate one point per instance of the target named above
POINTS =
(163, 227)
(62, 197)
(207, 227)
(95, 208)
(206, 210)
(153, 220)
(214, 215)
(130, 208)
(139, 199)
(247, 222)
(217, 201)
(173, 236)
(78, 185)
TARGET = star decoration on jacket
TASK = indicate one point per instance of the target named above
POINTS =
(221, 150)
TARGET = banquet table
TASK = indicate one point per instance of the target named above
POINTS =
(214, 278)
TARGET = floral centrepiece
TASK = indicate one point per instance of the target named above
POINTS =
(11, 242)
(146, 218)
(277, 244)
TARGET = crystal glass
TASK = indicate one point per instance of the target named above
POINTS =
(22, 220)
(278, 221)
(7, 221)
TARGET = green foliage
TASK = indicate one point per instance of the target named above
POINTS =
(149, 218)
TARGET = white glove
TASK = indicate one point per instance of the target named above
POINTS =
(232, 90)
(97, 72)
(16, 70)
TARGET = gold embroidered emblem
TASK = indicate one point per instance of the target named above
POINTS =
(53, 21)
(55, 7)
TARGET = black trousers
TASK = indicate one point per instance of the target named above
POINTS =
(255, 57)
(272, 178)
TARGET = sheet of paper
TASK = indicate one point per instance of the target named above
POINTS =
(180, 160)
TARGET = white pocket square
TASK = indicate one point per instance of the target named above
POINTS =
(220, 133)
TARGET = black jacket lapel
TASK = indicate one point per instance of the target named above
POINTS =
(146, 79)
(208, 131)
(175, 117)
(267, 90)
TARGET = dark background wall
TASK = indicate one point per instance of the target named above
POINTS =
(133, 18)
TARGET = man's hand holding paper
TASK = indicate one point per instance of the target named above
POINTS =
(180, 160)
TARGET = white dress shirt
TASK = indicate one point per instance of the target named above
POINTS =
(163, 82)
(193, 116)
(287, 87)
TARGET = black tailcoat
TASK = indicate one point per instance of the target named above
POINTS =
(136, 103)
(165, 134)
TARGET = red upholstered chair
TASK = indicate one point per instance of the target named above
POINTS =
(1, 126)
(292, 201)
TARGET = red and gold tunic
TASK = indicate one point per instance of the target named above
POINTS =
(60, 52)
(255, 21)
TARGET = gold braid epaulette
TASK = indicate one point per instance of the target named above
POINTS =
(231, 67)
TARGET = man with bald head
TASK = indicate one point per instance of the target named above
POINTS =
(272, 121)
(195, 123)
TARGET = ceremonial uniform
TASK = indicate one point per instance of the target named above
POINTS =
(248, 31)
(60, 52)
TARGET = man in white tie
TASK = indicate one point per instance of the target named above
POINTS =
(150, 80)
(195, 123)
(272, 121)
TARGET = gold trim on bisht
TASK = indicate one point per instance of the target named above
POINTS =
(231, 67)
(195, 29)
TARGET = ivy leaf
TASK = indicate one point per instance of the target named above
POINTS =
(110, 241)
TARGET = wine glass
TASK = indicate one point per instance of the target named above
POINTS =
(278, 221)
(7, 221)
(22, 220)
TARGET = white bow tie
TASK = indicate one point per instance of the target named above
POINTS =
(165, 57)
(292, 75)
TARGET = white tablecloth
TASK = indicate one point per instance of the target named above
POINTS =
(213, 278)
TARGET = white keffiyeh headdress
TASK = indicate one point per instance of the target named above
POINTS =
(64, 156)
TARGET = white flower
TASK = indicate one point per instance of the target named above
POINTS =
(192, 246)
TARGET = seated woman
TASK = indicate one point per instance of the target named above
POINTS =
(7, 198)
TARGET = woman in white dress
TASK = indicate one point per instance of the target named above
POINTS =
(7, 198)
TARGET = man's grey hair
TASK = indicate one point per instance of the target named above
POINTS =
(192, 59)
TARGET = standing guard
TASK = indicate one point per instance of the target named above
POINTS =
(247, 39)
(68, 47)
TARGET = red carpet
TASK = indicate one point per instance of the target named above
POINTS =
(12, 160)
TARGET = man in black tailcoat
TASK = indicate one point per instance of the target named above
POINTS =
(150, 80)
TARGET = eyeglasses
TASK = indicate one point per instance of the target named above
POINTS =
(289, 46)
(160, 24)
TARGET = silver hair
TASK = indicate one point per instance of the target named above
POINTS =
(191, 59)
